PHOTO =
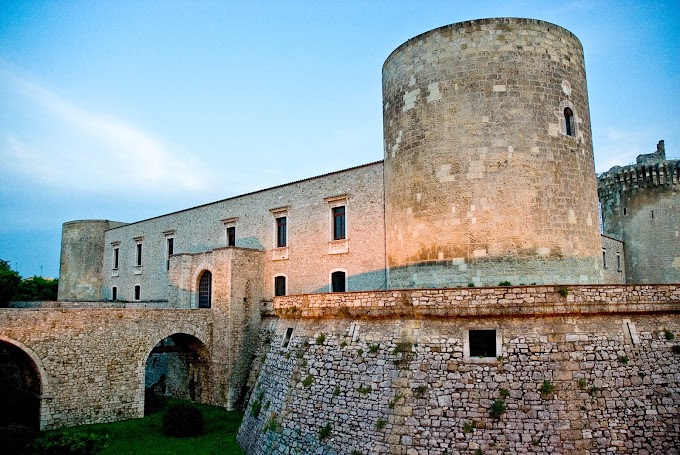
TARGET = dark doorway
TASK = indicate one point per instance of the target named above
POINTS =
(205, 290)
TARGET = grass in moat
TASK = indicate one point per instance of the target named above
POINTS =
(145, 436)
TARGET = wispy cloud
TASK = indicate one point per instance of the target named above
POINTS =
(77, 147)
(617, 147)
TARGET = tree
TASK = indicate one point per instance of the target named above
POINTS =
(36, 288)
(9, 283)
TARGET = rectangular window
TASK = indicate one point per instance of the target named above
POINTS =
(339, 222)
(482, 343)
(604, 259)
(138, 292)
(116, 253)
(114, 293)
(280, 285)
(170, 250)
(286, 339)
(231, 236)
(338, 281)
(139, 254)
(618, 262)
(281, 232)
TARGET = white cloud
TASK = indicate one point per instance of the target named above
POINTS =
(618, 147)
(75, 147)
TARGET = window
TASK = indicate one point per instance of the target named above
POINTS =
(138, 292)
(569, 122)
(139, 254)
(114, 293)
(338, 222)
(338, 281)
(604, 259)
(205, 290)
(279, 285)
(116, 256)
(231, 236)
(169, 250)
(281, 232)
(286, 339)
(625, 212)
(618, 262)
(482, 343)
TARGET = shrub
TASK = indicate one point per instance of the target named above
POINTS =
(402, 346)
(380, 424)
(563, 291)
(546, 388)
(624, 359)
(336, 391)
(468, 427)
(255, 410)
(393, 402)
(325, 431)
(582, 383)
(471, 285)
(364, 390)
(497, 409)
(67, 443)
(321, 338)
(273, 424)
(343, 344)
(373, 348)
(668, 334)
(307, 382)
(504, 393)
(505, 283)
(152, 402)
(183, 420)
(419, 391)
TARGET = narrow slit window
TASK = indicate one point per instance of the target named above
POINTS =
(286, 339)
(569, 121)
(604, 259)
(339, 223)
(116, 256)
(170, 250)
(139, 254)
(138, 292)
(231, 236)
(114, 293)
(618, 262)
(281, 232)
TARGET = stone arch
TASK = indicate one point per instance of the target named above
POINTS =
(185, 330)
(44, 387)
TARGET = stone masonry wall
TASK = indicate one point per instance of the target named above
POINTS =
(92, 361)
(402, 382)
(614, 270)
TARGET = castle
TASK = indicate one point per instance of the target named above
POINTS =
(366, 301)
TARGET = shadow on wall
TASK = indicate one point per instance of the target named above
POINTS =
(19, 389)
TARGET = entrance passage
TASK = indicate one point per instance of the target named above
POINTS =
(205, 290)
(176, 367)
(19, 390)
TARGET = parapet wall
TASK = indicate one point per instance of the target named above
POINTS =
(391, 372)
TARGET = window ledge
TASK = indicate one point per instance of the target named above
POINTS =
(279, 254)
(138, 270)
(114, 272)
(338, 246)
(481, 359)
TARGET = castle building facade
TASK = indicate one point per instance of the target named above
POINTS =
(488, 177)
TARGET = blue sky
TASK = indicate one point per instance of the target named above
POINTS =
(130, 109)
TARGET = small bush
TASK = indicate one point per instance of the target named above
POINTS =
(504, 393)
(256, 408)
(393, 402)
(336, 391)
(75, 443)
(364, 390)
(380, 424)
(471, 285)
(582, 383)
(668, 334)
(307, 382)
(152, 402)
(273, 424)
(360, 352)
(563, 291)
(624, 359)
(505, 283)
(183, 420)
(325, 431)
(497, 409)
(546, 388)
(321, 338)
(468, 427)
(343, 344)
(373, 348)
(419, 392)
(402, 346)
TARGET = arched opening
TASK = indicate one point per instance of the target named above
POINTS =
(205, 290)
(176, 367)
(569, 122)
(20, 393)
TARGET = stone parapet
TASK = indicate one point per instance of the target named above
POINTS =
(484, 302)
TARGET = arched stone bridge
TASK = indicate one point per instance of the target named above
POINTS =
(88, 365)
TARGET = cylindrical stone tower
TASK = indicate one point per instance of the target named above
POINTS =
(81, 262)
(641, 206)
(489, 172)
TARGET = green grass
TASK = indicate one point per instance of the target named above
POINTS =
(145, 436)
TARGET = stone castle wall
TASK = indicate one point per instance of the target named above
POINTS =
(309, 258)
(613, 262)
(641, 206)
(482, 182)
(390, 380)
